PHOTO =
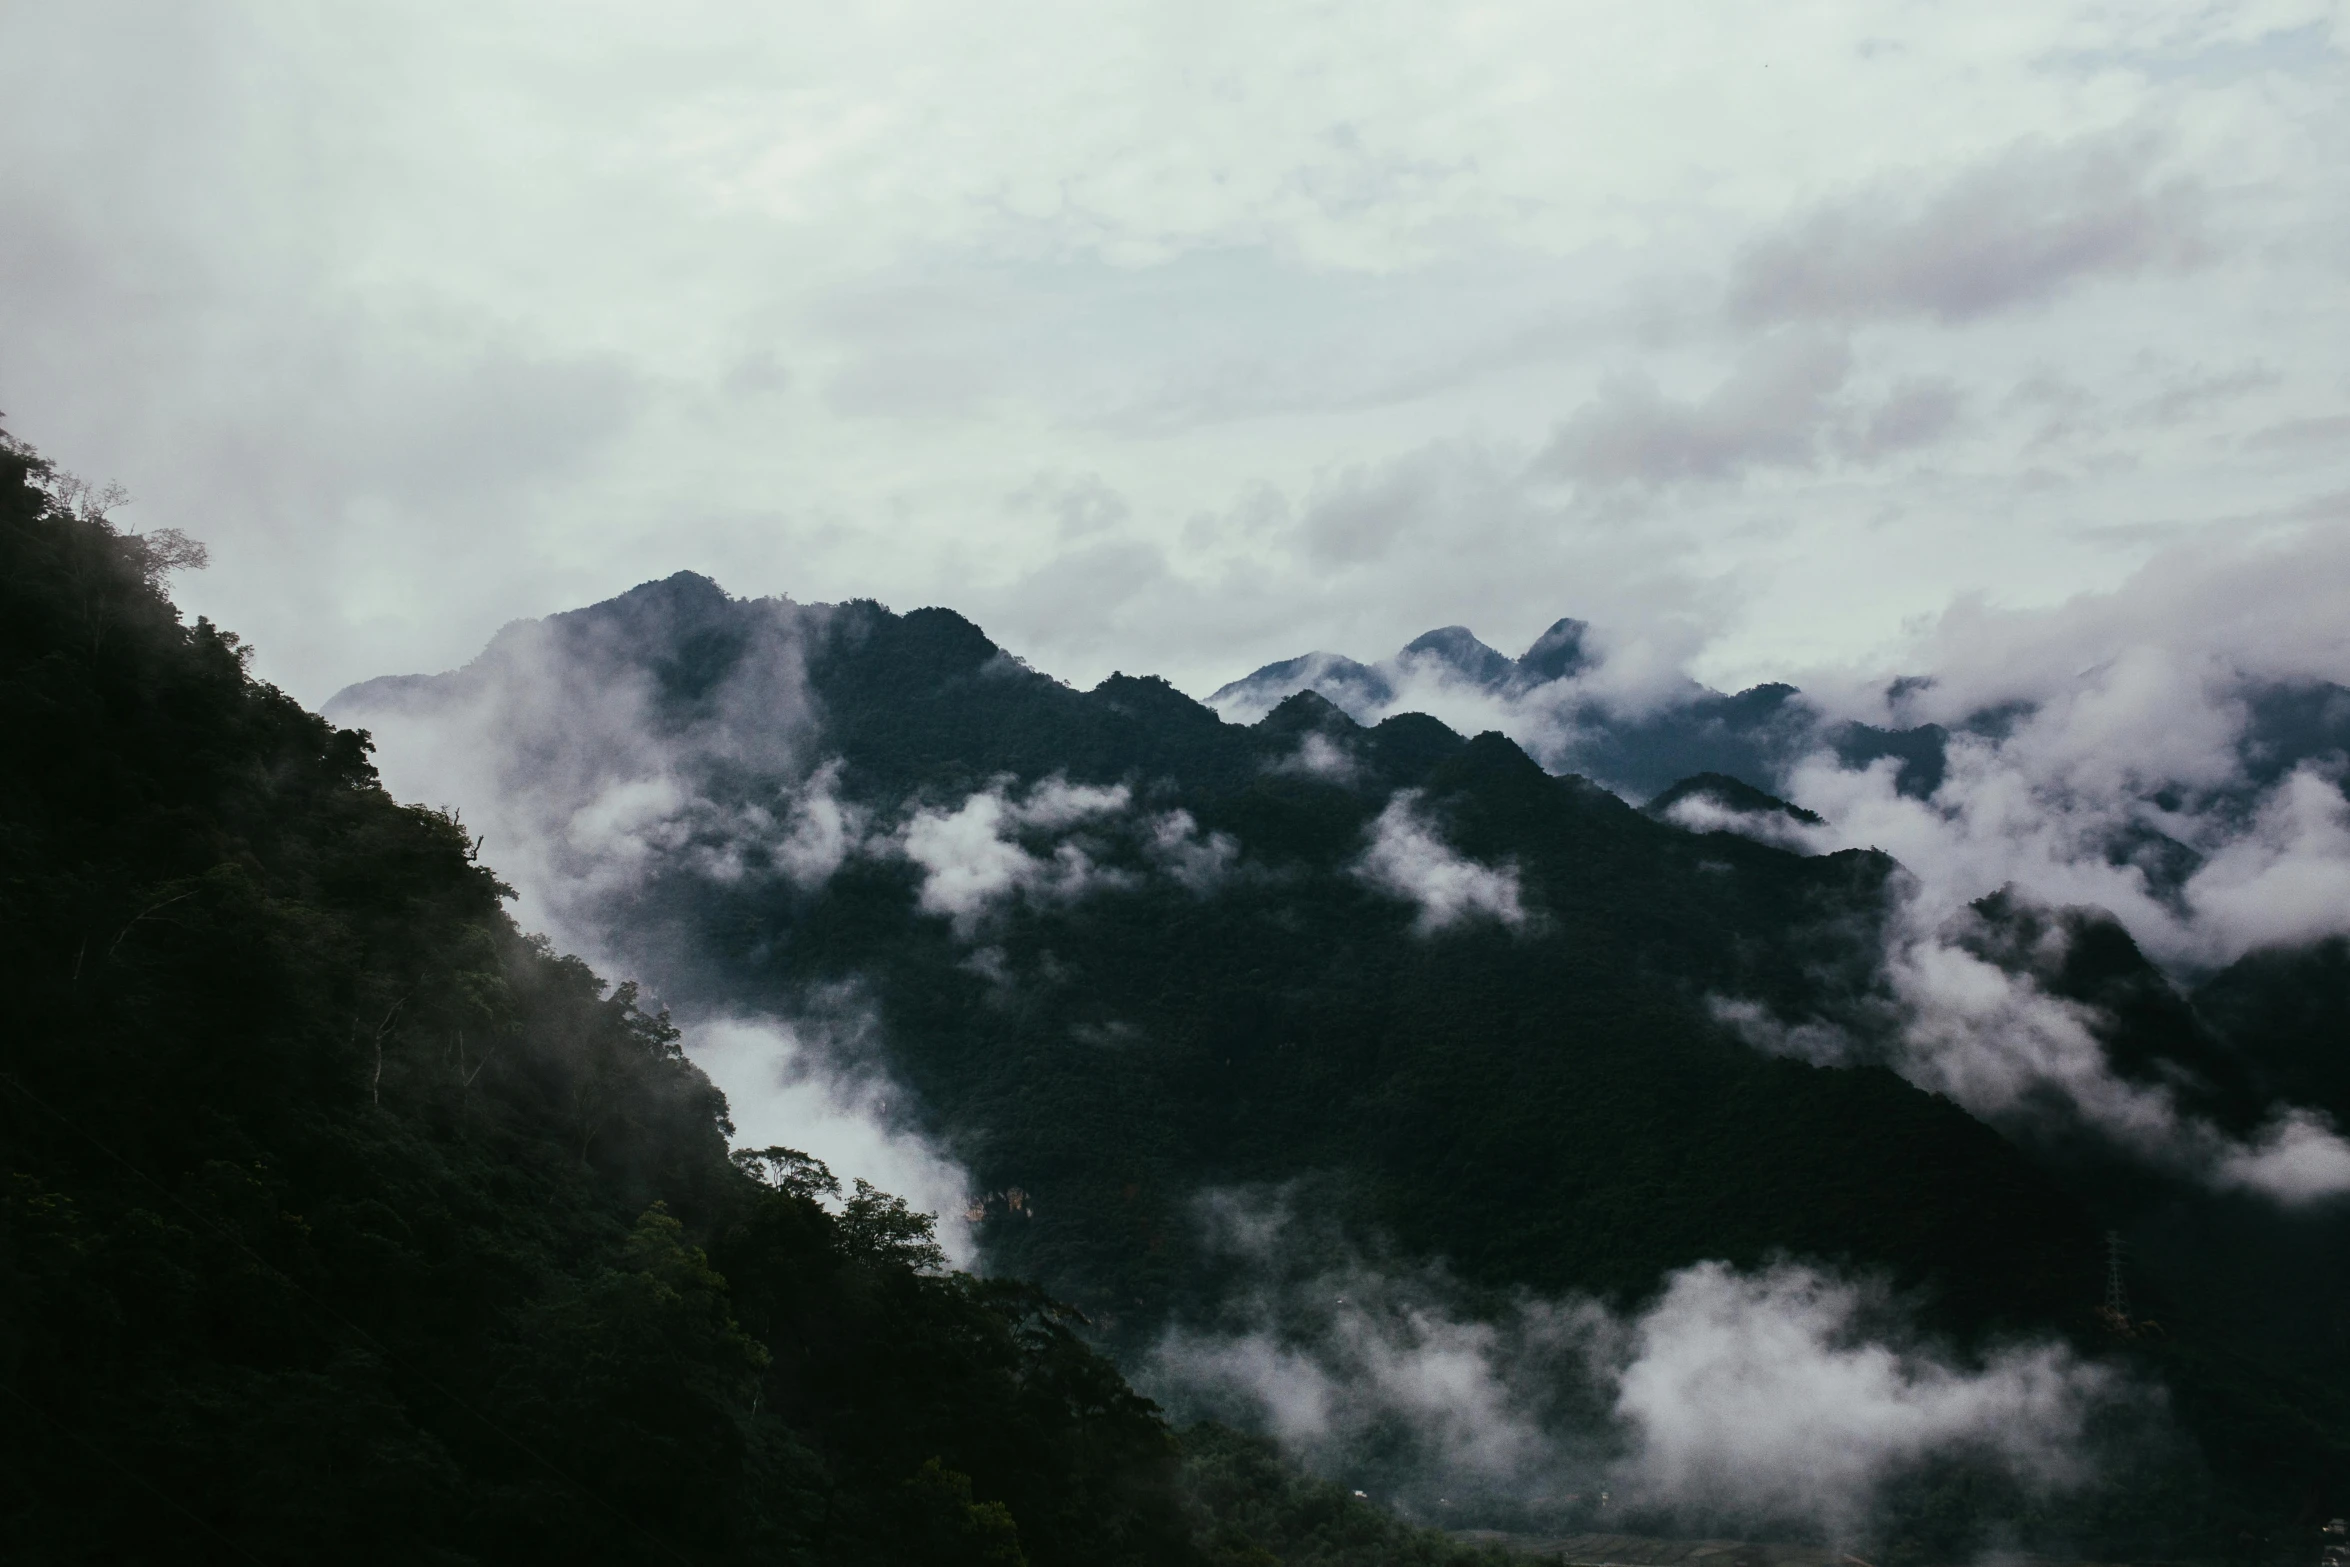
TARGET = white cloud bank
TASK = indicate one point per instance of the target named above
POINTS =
(1699, 813)
(1409, 859)
(972, 860)
(1760, 1393)
(1785, 1395)
(2169, 752)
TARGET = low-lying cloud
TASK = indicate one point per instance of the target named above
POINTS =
(1409, 859)
(1699, 813)
(1956, 1023)
(583, 779)
(972, 859)
(797, 1084)
(1781, 1397)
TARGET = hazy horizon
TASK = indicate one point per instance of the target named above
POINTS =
(1184, 341)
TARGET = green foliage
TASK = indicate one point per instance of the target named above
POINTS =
(1253, 1511)
(339, 1220)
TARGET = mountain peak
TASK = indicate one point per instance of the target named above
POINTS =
(1734, 795)
(1457, 648)
(1557, 653)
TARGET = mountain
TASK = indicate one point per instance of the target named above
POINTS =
(1701, 799)
(340, 1220)
(1639, 751)
(1131, 966)
(1284, 1010)
(1448, 653)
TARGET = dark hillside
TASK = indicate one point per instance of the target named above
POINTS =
(340, 1221)
(1550, 1106)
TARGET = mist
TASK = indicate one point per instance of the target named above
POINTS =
(1782, 1401)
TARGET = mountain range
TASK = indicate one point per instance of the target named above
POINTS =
(1425, 997)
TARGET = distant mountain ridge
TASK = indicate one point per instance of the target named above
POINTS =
(1756, 736)
(1750, 734)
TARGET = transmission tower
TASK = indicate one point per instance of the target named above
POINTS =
(2117, 1295)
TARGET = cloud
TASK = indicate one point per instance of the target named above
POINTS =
(1768, 412)
(2144, 758)
(972, 859)
(1786, 1396)
(585, 780)
(1761, 1393)
(1319, 756)
(1917, 411)
(1409, 858)
(2324, 431)
(823, 829)
(2299, 1156)
(2013, 231)
(1362, 512)
(1702, 813)
(2286, 878)
(2170, 751)
(1201, 862)
(425, 327)
(1956, 1023)
(812, 1086)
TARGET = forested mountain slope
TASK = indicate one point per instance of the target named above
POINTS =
(1121, 959)
(339, 1220)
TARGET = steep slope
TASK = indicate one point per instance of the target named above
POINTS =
(338, 1220)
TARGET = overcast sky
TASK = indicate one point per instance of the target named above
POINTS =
(1187, 336)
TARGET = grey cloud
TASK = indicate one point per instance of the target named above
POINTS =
(1768, 412)
(1362, 514)
(2014, 231)
(909, 385)
(2326, 430)
(423, 434)
(2200, 389)
(1084, 592)
(1202, 862)
(1083, 505)
(1914, 413)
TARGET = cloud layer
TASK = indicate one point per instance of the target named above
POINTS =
(1175, 346)
(1782, 1397)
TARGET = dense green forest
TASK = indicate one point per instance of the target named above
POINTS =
(340, 1220)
